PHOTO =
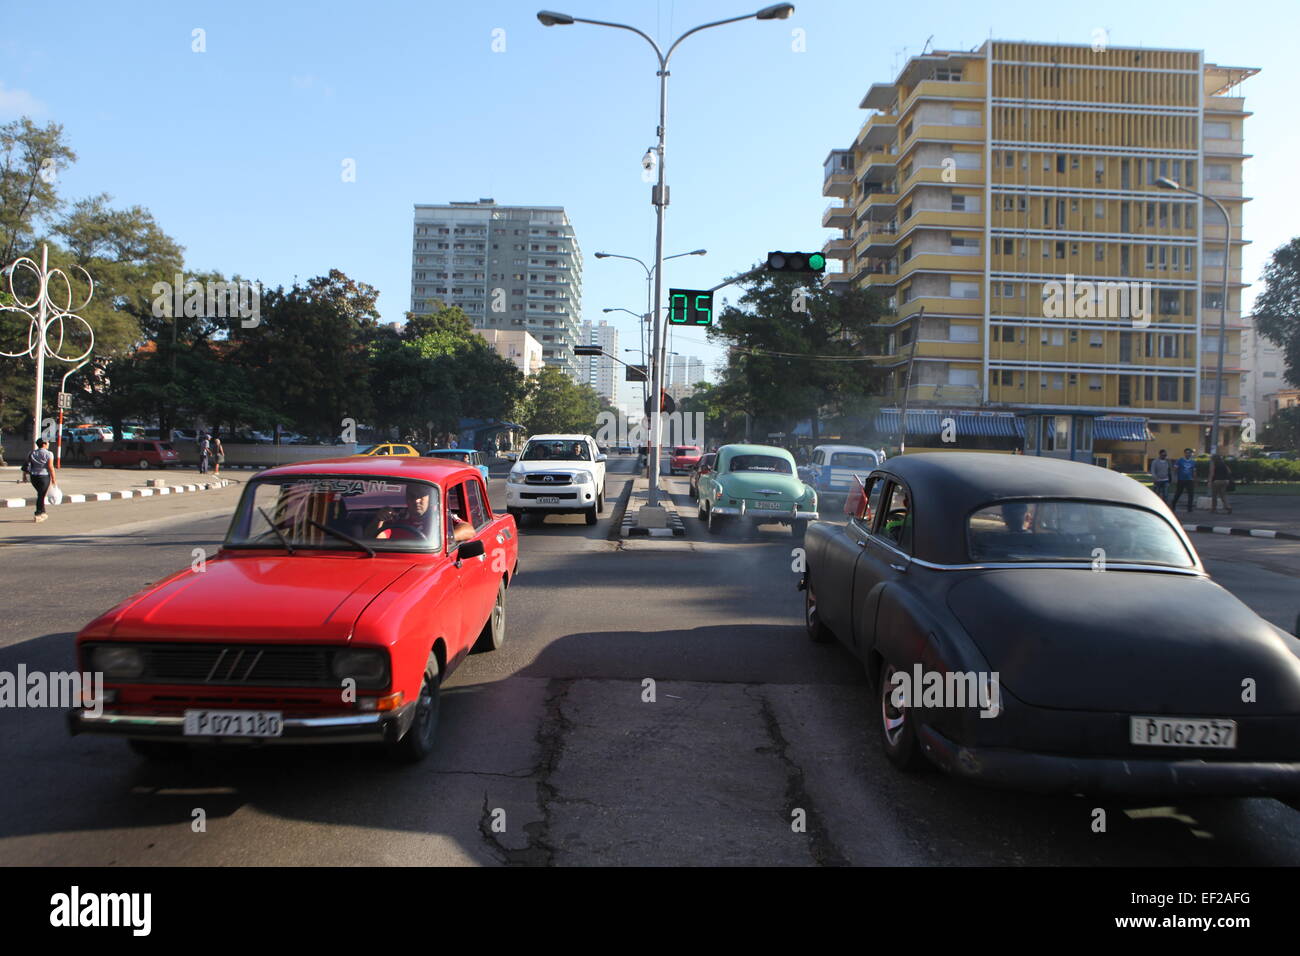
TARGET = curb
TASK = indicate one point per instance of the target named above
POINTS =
(1242, 532)
(92, 496)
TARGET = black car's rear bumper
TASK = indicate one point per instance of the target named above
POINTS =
(386, 726)
(1057, 773)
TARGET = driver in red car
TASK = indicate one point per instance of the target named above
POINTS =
(415, 521)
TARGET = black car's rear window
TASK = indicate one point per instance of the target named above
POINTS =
(1095, 532)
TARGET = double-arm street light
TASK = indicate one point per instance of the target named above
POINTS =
(649, 277)
(1164, 182)
(659, 194)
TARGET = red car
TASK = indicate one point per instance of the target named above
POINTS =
(684, 458)
(136, 454)
(344, 594)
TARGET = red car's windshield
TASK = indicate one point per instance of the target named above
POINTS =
(317, 511)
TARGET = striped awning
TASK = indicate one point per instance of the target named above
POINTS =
(993, 425)
(1120, 429)
(919, 422)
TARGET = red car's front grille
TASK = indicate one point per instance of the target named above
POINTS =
(246, 665)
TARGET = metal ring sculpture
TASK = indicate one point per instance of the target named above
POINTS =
(38, 335)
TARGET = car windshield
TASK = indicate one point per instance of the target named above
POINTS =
(685, 451)
(854, 459)
(317, 511)
(768, 463)
(166, 447)
(556, 450)
(1083, 531)
(453, 455)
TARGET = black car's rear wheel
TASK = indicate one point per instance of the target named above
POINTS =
(818, 632)
(417, 742)
(898, 725)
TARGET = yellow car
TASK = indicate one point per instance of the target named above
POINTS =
(388, 448)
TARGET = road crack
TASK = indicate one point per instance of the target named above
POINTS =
(820, 845)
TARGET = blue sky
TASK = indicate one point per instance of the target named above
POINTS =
(238, 151)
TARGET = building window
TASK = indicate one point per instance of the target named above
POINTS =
(1094, 383)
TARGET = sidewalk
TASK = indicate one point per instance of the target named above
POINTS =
(1260, 516)
(83, 484)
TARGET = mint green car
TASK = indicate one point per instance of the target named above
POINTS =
(759, 484)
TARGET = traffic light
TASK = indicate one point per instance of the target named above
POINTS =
(588, 350)
(796, 262)
(690, 307)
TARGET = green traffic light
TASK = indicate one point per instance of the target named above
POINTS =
(817, 262)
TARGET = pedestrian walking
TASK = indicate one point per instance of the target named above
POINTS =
(39, 469)
(1185, 474)
(1220, 484)
(1162, 470)
(218, 454)
(205, 452)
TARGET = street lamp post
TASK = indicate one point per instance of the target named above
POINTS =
(49, 313)
(1164, 182)
(659, 195)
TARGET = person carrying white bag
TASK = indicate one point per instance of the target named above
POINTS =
(39, 469)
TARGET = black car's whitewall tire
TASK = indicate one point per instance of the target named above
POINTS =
(818, 632)
(897, 726)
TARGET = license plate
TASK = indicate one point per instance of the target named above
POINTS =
(769, 506)
(233, 723)
(1182, 732)
(548, 501)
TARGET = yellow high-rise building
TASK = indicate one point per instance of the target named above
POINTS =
(1069, 301)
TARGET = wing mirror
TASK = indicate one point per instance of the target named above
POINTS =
(470, 549)
(602, 457)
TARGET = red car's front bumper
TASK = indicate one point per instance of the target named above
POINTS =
(372, 727)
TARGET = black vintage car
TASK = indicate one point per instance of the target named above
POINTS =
(1047, 625)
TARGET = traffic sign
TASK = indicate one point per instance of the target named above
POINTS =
(666, 404)
(637, 373)
(65, 400)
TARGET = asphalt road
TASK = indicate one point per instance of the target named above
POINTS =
(550, 751)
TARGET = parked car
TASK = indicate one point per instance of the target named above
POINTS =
(469, 456)
(136, 454)
(557, 474)
(374, 578)
(755, 483)
(390, 448)
(1074, 594)
(831, 468)
(702, 467)
(683, 458)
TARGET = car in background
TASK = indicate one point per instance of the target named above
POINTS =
(831, 468)
(682, 458)
(469, 456)
(136, 453)
(1106, 658)
(345, 593)
(701, 467)
(391, 449)
(557, 474)
(757, 484)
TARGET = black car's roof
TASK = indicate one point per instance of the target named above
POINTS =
(948, 486)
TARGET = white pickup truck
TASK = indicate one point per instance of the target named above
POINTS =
(559, 475)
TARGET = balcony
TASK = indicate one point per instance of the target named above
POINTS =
(878, 164)
(837, 215)
(838, 248)
(1223, 147)
(837, 173)
(880, 132)
(879, 204)
(877, 240)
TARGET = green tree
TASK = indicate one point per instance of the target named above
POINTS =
(309, 355)
(1283, 431)
(31, 157)
(799, 353)
(1277, 310)
(556, 404)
